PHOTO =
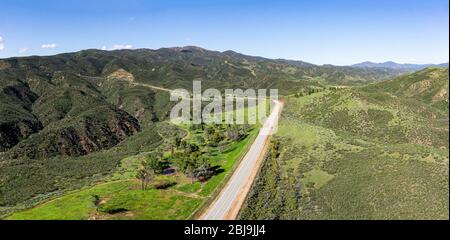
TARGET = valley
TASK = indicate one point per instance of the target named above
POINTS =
(87, 135)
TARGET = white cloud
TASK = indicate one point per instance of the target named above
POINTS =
(23, 50)
(118, 46)
(48, 45)
(2, 44)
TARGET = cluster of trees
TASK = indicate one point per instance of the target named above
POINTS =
(197, 127)
(237, 132)
(189, 161)
(187, 148)
(195, 166)
(188, 157)
(149, 168)
(215, 134)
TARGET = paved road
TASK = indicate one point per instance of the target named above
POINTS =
(228, 203)
(151, 86)
(94, 78)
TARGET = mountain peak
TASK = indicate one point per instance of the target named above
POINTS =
(188, 48)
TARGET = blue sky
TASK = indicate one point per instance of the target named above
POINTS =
(319, 31)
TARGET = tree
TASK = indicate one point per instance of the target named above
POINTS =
(202, 169)
(216, 137)
(246, 127)
(154, 164)
(175, 144)
(190, 171)
(190, 148)
(194, 166)
(96, 200)
(172, 149)
(275, 149)
(183, 144)
(235, 133)
(145, 176)
(202, 125)
(209, 130)
(198, 167)
(147, 171)
(177, 141)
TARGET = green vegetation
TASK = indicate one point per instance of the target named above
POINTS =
(72, 121)
(376, 152)
(117, 200)
(30, 182)
(155, 186)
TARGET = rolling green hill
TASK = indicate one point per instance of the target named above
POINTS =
(429, 86)
(373, 152)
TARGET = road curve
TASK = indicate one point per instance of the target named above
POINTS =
(227, 204)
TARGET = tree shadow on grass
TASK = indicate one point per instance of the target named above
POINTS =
(168, 171)
(164, 185)
(217, 170)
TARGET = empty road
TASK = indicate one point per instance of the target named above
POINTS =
(227, 204)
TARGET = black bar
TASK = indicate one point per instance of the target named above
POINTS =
(272, 229)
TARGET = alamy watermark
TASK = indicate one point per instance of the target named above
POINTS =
(234, 106)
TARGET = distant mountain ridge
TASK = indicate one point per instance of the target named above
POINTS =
(397, 66)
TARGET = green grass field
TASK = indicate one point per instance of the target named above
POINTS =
(125, 195)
